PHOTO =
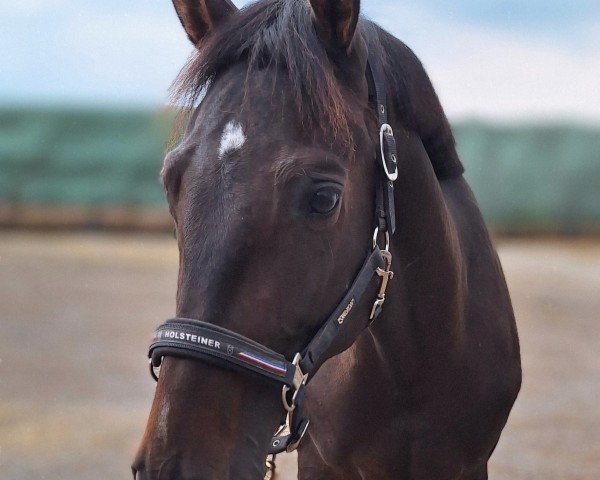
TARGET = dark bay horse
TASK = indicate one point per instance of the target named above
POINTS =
(273, 188)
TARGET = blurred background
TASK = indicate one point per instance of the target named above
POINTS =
(88, 267)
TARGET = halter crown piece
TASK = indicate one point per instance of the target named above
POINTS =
(196, 339)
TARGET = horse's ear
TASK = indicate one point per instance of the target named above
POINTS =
(198, 17)
(336, 21)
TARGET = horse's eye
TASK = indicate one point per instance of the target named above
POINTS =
(325, 199)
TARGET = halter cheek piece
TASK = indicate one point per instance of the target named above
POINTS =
(187, 338)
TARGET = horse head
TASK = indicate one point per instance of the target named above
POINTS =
(272, 192)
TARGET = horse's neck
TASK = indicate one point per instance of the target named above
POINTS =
(422, 315)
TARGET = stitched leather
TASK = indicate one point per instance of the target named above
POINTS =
(205, 341)
(313, 354)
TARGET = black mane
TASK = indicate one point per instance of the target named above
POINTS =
(281, 33)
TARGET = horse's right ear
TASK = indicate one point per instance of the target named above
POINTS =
(336, 21)
(198, 17)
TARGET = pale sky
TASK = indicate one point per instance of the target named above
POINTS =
(493, 59)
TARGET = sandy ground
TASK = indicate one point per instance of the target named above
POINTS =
(76, 313)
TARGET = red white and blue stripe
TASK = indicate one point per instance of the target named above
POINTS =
(268, 365)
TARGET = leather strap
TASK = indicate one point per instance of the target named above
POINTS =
(386, 154)
(313, 354)
(185, 337)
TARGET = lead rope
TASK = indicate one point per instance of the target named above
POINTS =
(270, 462)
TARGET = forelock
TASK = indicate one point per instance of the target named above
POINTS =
(276, 34)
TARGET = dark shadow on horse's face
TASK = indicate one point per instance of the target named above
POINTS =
(273, 219)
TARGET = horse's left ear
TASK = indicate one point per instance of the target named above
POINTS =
(336, 21)
(198, 17)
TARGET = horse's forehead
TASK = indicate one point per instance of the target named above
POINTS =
(260, 99)
(253, 122)
(235, 118)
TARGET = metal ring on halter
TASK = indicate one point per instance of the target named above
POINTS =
(289, 408)
(299, 380)
(386, 129)
(376, 237)
(152, 371)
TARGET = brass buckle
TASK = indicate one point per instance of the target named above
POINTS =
(386, 275)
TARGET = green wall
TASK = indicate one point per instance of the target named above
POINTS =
(81, 157)
(532, 179)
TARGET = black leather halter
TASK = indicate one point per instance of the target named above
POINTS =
(196, 339)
